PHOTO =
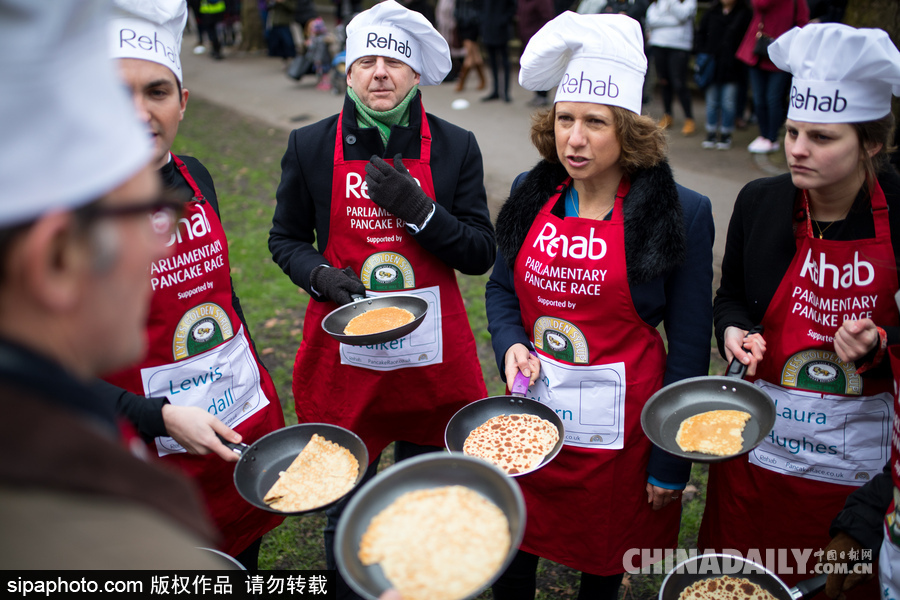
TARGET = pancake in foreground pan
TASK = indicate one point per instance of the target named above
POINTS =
(460, 540)
(725, 588)
(716, 432)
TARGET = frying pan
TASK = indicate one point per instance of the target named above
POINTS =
(261, 462)
(335, 321)
(473, 415)
(422, 472)
(708, 566)
(667, 408)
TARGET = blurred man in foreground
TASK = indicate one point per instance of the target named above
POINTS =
(80, 222)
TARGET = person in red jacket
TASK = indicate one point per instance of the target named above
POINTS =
(770, 18)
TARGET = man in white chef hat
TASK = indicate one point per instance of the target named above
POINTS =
(381, 197)
(844, 80)
(195, 313)
(81, 219)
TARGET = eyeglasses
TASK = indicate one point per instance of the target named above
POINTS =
(163, 213)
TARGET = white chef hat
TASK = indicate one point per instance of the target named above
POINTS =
(70, 132)
(389, 29)
(591, 58)
(841, 74)
(149, 30)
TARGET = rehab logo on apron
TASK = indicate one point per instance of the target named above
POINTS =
(387, 271)
(561, 339)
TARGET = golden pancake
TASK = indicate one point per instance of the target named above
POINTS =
(378, 320)
(321, 473)
(716, 432)
(441, 543)
(515, 443)
(725, 588)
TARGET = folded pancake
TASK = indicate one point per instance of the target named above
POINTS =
(378, 320)
(716, 432)
(441, 543)
(725, 588)
(321, 473)
(515, 443)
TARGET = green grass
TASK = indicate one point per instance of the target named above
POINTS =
(244, 157)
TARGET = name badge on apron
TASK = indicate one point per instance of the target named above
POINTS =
(590, 400)
(836, 439)
(224, 381)
(424, 346)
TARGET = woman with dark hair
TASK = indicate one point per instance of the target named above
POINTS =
(597, 246)
(812, 256)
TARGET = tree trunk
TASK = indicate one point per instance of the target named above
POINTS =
(252, 36)
(884, 14)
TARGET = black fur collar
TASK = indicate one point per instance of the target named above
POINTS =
(654, 225)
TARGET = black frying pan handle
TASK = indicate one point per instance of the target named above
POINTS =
(239, 449)
(809, 587)
(736, 368)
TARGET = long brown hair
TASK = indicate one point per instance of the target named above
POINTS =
(870, 134)
(643, 141)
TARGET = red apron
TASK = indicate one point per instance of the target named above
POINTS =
(408, 389)
(588, 507)
(830, 434)
(889, 555)
(200, 355)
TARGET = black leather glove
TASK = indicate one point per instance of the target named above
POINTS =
(838, 581)
(336, 284)
(394, 189)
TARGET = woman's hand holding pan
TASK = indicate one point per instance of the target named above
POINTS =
(520, 358)
(748, 349)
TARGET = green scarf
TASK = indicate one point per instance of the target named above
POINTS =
(399, 115)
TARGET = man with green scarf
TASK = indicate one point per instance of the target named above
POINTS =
(385, 198)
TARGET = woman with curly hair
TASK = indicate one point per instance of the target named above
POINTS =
(597, 247)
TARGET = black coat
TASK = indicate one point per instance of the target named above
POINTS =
(496, 21)
(460, 232)
(720, 35)
(863, 515)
